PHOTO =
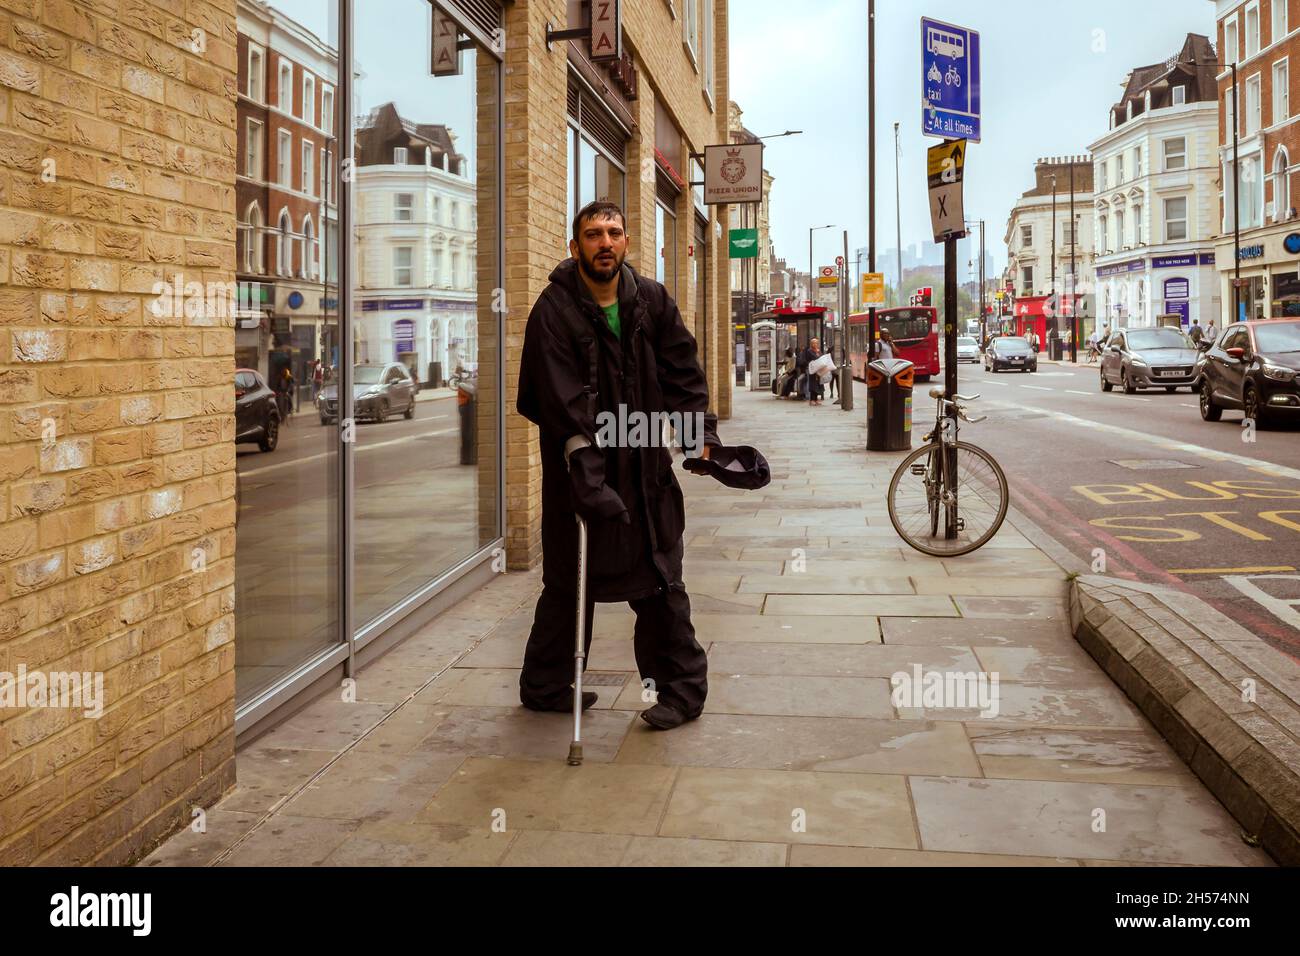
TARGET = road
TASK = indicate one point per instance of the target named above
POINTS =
(1140, 486)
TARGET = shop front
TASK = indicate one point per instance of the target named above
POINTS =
(1260, 280)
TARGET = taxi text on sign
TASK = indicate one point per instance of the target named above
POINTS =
(873, 288)
(944, 165)
(733, 173)
(606, 29)
(446, 36)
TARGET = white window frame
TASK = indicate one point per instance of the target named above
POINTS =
(1184, 218)
(284, 244)
(308, 270)
(1231, 41)
(1027, 283)
(1168, 156)
(1179, 95)
(1280, 25)
(400, 252)
(1067, 232)
(691, 29)
(1281, 185)
(1026, 241)
(401, 155)
(309, 98)
(709, 13)
(1254, 107)
(1119, 168)
(1119, 229)
(256, 77)
(254, 148)
(1102, 173)
(327, 108)
(308, 168)
(285, 92)
(253, 243)
(284, 159)
(1282, 82)
(1251, 9)
(1103, 231)
(400, 207)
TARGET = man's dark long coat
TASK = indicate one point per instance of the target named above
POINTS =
(653, 368)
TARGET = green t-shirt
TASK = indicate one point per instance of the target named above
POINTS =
(611, 316)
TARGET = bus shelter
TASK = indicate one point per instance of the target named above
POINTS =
(801, 325)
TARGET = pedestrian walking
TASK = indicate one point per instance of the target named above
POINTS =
(817, 365)
(603, 340)
(1211, 333)
(834, 378)
(885, 345)
(317, 378)
(1196, 333)
(284, 393)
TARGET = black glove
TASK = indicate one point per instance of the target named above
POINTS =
(592, 498)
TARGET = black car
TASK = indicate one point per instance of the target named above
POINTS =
(1010, 351)
(257, 417)
(1253, 366)
(377, 392)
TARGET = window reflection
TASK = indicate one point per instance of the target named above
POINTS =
(286, 333)
(426, 474)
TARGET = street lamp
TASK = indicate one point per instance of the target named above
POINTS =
(812, 281)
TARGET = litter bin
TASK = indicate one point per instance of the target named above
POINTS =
(466, 394)
(889, 404)
(435, 374)
(1054, 348)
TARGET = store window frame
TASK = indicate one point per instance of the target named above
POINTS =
(356, 636)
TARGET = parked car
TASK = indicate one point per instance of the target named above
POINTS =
(1162, 357)
(1010, 351)
(968, 350)
(257, 416)
(1253, 366)
(377, 392)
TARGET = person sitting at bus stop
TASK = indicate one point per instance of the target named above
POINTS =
(791, 376)
(801, 375)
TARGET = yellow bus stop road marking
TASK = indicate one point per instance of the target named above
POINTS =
(1257, 570)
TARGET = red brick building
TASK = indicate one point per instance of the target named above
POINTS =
(285, 204)
(1262, 38)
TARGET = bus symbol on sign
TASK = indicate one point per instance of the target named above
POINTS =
(943, 42)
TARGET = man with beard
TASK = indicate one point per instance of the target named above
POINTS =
(598, 337)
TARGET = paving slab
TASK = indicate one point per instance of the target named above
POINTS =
(839, 745)
(885, 605)
(1047, 818)
(772, 806)
(835, 660)
(786, 695)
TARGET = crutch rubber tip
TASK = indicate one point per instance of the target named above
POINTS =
(575, 755)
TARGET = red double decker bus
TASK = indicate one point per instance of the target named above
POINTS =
(915, 332)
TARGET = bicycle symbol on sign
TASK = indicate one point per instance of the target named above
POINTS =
(952, 77)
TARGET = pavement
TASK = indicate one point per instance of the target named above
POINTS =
(807, 603)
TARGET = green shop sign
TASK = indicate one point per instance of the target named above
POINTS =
(744, 243)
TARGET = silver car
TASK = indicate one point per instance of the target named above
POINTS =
(1148, 358)
(968, 349)
(377, 392)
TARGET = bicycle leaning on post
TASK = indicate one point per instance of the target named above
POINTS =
(948, 497)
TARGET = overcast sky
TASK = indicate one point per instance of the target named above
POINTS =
(1050, 69)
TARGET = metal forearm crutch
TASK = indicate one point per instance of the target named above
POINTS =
(580, 650)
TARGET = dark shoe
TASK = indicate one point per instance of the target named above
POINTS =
(664, 717)
(564, 703)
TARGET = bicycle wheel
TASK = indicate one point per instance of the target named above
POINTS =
(917, 496)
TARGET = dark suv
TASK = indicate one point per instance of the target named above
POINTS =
(1253, 366)
(257, 417)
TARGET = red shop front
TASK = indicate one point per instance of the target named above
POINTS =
(1038, 313)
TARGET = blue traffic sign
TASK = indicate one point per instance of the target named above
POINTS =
(950, 78)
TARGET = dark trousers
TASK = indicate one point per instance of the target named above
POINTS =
(663, 641)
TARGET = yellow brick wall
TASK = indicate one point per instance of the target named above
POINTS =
(117, 168)
(536, 224)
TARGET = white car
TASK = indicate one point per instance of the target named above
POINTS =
(968, 349)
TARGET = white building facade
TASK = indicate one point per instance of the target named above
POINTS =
(1156, 196)
(417, 269)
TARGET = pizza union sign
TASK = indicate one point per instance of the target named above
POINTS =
(733, 173)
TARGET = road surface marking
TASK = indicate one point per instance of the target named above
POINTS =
(361, 448)
(991, 382)
(1173, 444)
(1039, 388)
(1075, 391)
(1285, 610)
(1189, 405)
(1259, 570)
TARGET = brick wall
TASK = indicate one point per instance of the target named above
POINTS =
(117, 169)
(536, 225)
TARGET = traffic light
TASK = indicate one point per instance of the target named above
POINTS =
(923, 296)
